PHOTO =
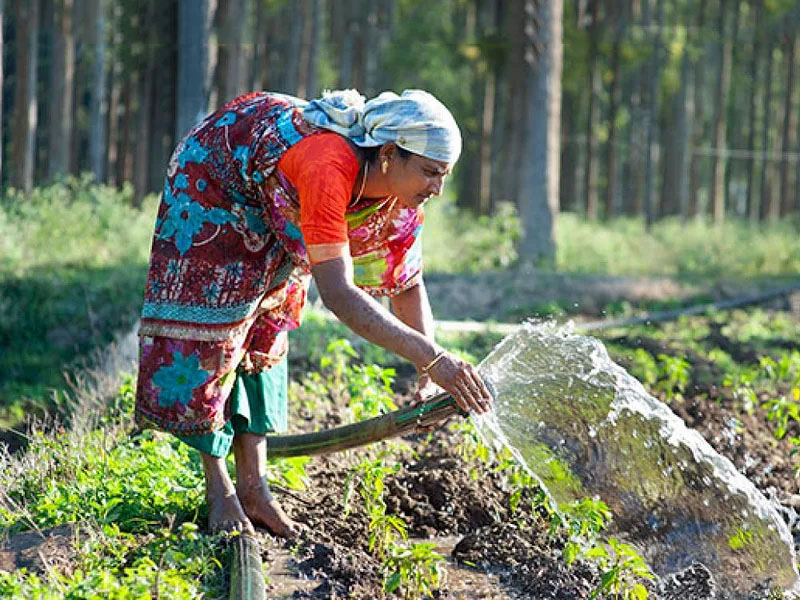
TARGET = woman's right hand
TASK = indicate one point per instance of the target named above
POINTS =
(462, 381)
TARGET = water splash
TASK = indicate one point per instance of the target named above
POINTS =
(585, 427)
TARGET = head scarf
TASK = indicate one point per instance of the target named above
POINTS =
(416, 121)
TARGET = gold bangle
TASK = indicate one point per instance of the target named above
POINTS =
(431, 364)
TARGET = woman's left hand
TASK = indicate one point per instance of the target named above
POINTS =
(427, 389)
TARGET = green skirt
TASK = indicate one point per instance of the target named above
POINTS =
(258, 405)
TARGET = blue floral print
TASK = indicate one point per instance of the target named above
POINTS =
(185, 218)
(178, 380)
(229, 118)
(193, 151)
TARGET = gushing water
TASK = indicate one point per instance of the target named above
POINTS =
(585, 427)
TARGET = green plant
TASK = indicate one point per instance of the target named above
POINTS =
(644, 367)
(673, 376)
(384, 529)
(289, 472)
(621, 571)
(781, 410)
(370, 388)
(415, 569)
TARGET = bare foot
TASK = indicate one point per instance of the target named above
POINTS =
(225, 513)
(265, 511)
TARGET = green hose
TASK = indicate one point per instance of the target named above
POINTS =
(247, 576)
(389, 425)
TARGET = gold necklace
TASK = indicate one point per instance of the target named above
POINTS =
(363, 184)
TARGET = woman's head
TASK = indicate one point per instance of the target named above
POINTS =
(414, 121)
(412, 139)
(410, 177)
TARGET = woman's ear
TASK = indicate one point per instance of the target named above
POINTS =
(387, 152)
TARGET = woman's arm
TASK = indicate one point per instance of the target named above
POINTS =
(413, 308)
(366, 317)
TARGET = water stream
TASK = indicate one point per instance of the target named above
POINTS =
(585, 427)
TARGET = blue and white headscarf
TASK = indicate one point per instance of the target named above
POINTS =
(416, 121)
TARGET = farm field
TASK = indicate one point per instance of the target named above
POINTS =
(90, 509)
(430, 512)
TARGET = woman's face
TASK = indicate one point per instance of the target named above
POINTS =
(415, 179)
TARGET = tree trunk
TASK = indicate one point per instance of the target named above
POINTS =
(125, 153)
(767, 208)
(231, 65)
(98, 103)
(371, 48)
(25, 102)
(539, 176)
(347, 54)
(698, 124)
(164, 101)
(114, 91)
(487, 117)
(718, 157)
(2, 53)
(633, 168)
(751, 205)
(786, 200)
(590, 174)
(259, 66)
(650, 156)
(192, 65)
(676, 164)
(487, 126)
(521, 15)
(144, 92)
(620, 20)
(568, 192)
(733, 117)
(62, 80)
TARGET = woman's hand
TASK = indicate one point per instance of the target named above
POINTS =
(462, 381)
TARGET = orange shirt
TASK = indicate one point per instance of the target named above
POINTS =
(323, 168)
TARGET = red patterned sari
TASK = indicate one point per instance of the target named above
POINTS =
(229, 268)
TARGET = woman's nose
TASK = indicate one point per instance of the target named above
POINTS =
(437, 186)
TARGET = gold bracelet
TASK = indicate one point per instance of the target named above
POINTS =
(431, 364)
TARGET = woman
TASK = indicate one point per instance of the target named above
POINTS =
(262, 195)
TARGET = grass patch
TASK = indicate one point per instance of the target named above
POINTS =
(73, 261)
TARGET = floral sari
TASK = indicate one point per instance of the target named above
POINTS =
(229, 270)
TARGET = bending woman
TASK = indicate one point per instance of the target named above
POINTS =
(264, 194)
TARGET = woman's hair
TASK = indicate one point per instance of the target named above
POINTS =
(370, 153)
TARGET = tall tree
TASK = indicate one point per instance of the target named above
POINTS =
(719, 154)
(144, 96)
(62, 80)
(232, 63)
(26, 15)
(789, 48)
(539, 173)
(767, 208)
(522, 42)
(164, 99)
(192, 64)
(750, 201)
(2, 3)
(98, 90)
(653, 78)
(698, 123)
(674, 183)
(619, 17)
(594, 85)
(489, 26)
